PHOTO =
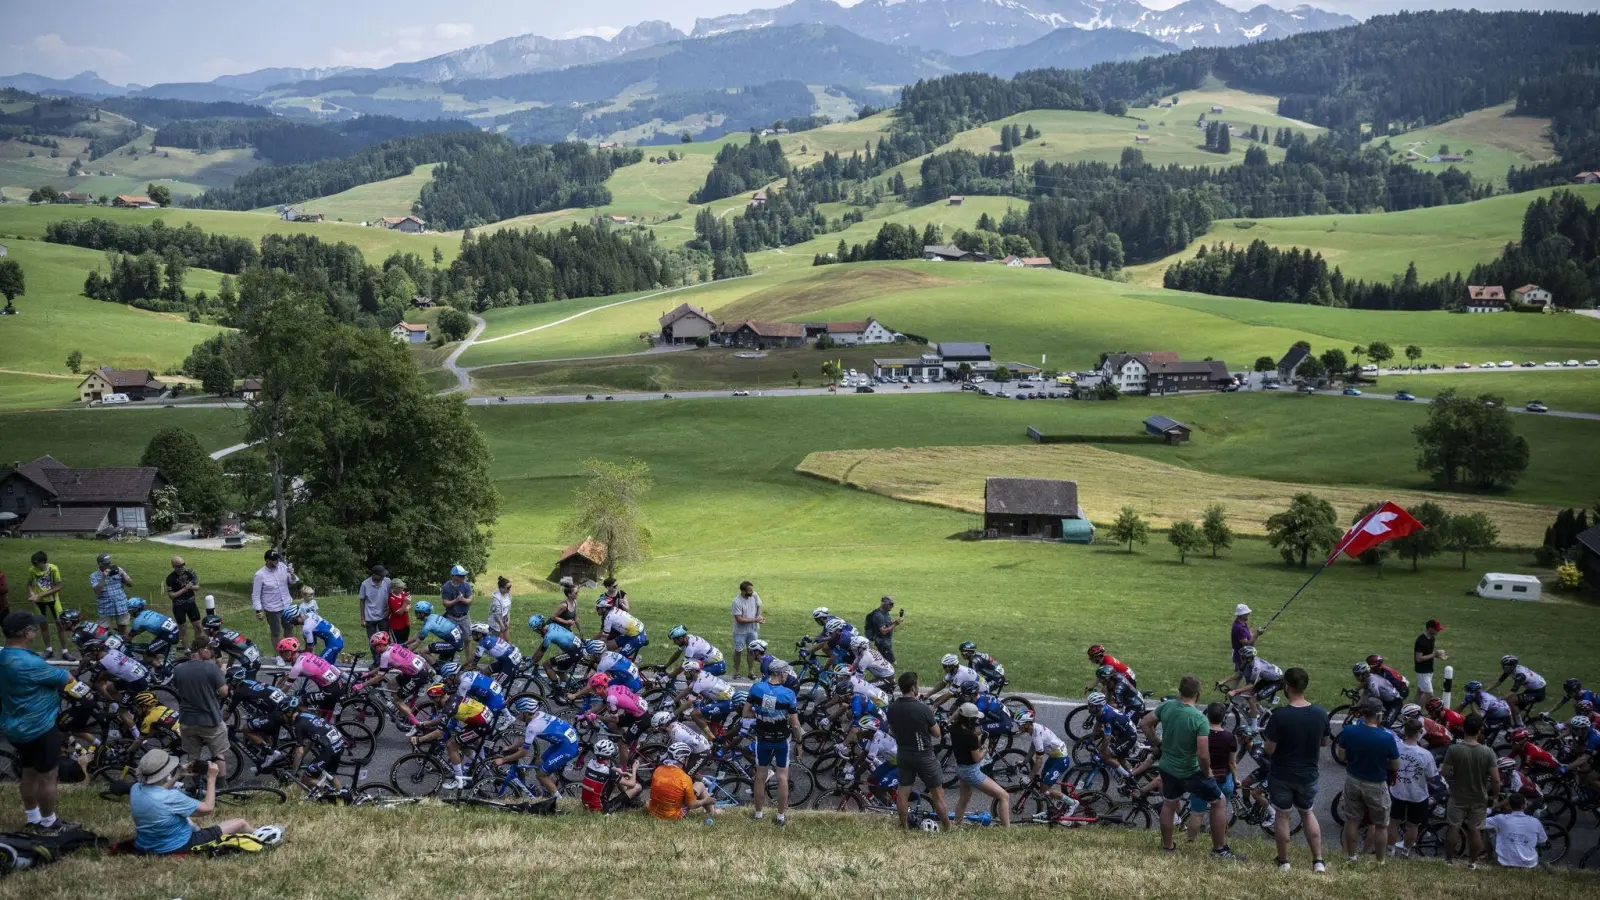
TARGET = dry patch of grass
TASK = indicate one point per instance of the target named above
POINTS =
(1497, 127)
(953, 477)
(829, 288)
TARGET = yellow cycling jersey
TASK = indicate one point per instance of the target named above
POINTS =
(471, 712)
(157, 719)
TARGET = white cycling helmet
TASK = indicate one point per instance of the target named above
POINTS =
(859, 642)
(661, 719)
(605, 749)
(692, 666)
(820, 612)
(1095, 698)
(271, 835)
(757, 646)
(950, 659)
(479, 629)
(679, 751)
(1411, 711)
(1578, 724)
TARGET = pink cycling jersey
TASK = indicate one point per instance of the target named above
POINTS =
(315, 668)
(401, 660)
(619, 698)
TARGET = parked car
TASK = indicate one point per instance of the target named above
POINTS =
(1487, 365)
(1352, 392)
(1592, 362)
(1536, 406)
(1307, 389)
(1506, 364)
(1405, 395)
(1529, 364)
(741, 393)
(1463, 365)
(1369, 368)
(866, 389)
(1552, 364)
(1571, 362)
(1270, 386)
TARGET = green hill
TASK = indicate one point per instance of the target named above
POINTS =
(1492, 140)
(370, 202)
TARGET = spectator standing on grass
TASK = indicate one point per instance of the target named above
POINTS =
(182, 584)
(566, 613)
(110, 586)
(747, 622)
(1424, 653)
(1470, 769)
(772, 704)
(1372, 760)
(1409, 801)
(881, 626)
(1295, 736)
(44, 590)
(500, 609)
(269, 593)
(30, 696)
(970, 747)
(619, 597)
(916, 732)
(399, 612)
(1517, 835)
(1242, 634)
(201, 688)
(1183, 743)
(373, 597)
(1223, 757)
(456, 594)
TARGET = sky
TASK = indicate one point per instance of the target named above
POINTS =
(196, 40)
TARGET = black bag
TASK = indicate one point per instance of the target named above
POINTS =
(20, 850)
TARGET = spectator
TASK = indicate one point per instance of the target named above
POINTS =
(161, 812)
(44, 589)
(1409, 794)
(29, 698)
(181, 586)
(772, 705)
(1517, 835)
(269, 593)
(915, 733)
(880, 627)
(110, 586)
(399, 612)
(374, 599)
(1470, 769)
(5, 602)
(308, 601)
(747, 622)
(1183, 742)
(1242, 633)
(1424, 654)
(971, 749)
(566, 614)
(1223, 748)
(619, 597)
(1370, 758)
(672, 791)
(200, 688)
(1295, 736)
(500, 608)
(456, 595)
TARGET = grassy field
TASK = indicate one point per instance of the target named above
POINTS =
(128, 168)
(1493, 140)
(370, 202)
(708, 369)
(1441, 240)
(1565, 390)
(19, 392)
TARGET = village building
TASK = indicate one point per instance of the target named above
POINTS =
(53, 499)
(1533, 295)
(409, 333)
(956, 200)
(1167, 378)
(132, 201)
(951, 253)
(1485, 299)
(851, 334)
(1170, 431)
(1291, 361)
(915, 368)
(407, 224)
(752, 335)
(1028, 262)
(1033, 508)
(137, 384)
(686, 325)
(583, 562)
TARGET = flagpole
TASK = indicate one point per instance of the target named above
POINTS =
(1338, 549)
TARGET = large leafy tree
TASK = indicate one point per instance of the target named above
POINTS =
(12, 282)
(609, 508)
(1473, 533)
(195, 477)
(1309, 524)
(1470, 439)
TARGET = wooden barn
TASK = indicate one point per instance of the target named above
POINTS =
(1039, 508)
(583, 562)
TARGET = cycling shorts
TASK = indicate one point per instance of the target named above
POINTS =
(716, 710)
(1054, 768)
(444, 649)
(716, 668)
(631, 726)
(330, 653)
(129, 688)
(1527, 698)
(1264, 690)
(325, 698)
(157, 646)
(566, 659)
(886, 775)
(504, 666)
(630, 646)
(556, 756)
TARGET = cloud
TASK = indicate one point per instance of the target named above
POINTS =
(600, 31)
(453, 31)
(407, 43)
(55, 48)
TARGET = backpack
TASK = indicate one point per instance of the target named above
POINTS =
(229, 845)
(19, 850)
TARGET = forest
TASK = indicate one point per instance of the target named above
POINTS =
(199, 249)
(286, 142)
(501, 181)
(742, 167)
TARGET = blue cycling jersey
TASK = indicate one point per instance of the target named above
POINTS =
(483, 689)
(154, 624)
(1592, 745)
(443, 629)
(1116, 722)
(558, 636)
(496, 647)
(862, 706)
(317, 628)
(550, 729)
(990, 706)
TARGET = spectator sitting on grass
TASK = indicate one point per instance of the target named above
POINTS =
(161, 812)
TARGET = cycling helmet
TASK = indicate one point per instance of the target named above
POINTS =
(1023, 716)
(678, 751)
(1095, 698)
(1518, 736)
(1583, 706)
(1474, 687)
(692, 666)
(967, 648)
(71, 617)
(292, 612)
(1435, 706)
(1374, 661)
(537, 621)
(289, 645)
(599, 682)
(379, 640)
(843, 671)
(757, 646)
(450, 669)
(605, 749)
(1096, 651)
(1105, 671)
(661, 718)
(594, 647)
(1578, 724)
(1507, 764)
(820, 613)
(93, 645)
(526, 706)
(1508, 661)
(145, 698)
(271, 835)
(678, 631)
(859, 642)
(238, 673)
(969, 691)
(422, 608)
(436, 691)
(211, 623)
(135, 605)
(842, 687)
(480, 629)
(1411, 711)
(950, 661)
(834, 626)
(740, 698)
(781, 666)
(867, 723)
(1360, 670)
(1571, 685)
(1247, 652)
(458, 570)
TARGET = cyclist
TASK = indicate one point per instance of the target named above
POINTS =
(325, 742)
(624, 710)
(472, 685)
(1530, 755)
(315, 628)
(1512, 781)
(1443, 725)
(1119, 734)
(1390, 674)
(1586, 708)
(866, 698)
(620, 669)
(600, 774)
(473, 717)
(320, 683)
(1374, 685)
(692, 646)
(996, 718)
(448, 639)
(1527, 687)
(1495, 711)
(94, 631)
(866, 659)
(955, 675)
(1050, 761)
(1572, 690)
(1120, 689)
(1099, 656)
(554, 634)
(666, 724)
(985, 665)
(881, 755)
(503, 656)
(240, 650)
(1255, 676)
(155, 720)
(1585, 745)
(836, 637)
(706, 696)
(1257, 783)
(410, 671)
(115, 675)
(267, 711)
(162, 629)
(619, 628)
(560, 738)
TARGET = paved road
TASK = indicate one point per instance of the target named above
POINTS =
(463, 383)
(1371, 395)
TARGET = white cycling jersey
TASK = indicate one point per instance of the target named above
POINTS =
(1379, 686)
(123, 667)
(864, 689)
(1531, 680)
(1261, 671)
(697, 742)
(882, 748)
(872, 662)
(1492, 707)
(963, 675)
(1045, 741)
(699, 648)
(711, 687)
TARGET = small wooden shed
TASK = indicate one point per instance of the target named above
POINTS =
(582, 562)
(1169, 430)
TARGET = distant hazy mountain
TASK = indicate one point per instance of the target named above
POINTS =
(1065, 48)
(85, 84)
(963, 27)
(261, 79)
(531, 53)
(198, 91)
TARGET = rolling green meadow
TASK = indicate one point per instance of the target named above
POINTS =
(1492, 140)
(370, 202)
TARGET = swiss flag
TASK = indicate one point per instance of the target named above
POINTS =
(1385, 523)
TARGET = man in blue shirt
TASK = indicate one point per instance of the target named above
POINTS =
(29, 697)
(1372, 757)
(161, 812)
(457, 597)
(772, 705)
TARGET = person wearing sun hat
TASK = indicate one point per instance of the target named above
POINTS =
(1242, 633)
(161, 812)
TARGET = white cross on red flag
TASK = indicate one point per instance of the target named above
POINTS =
(1385, 523)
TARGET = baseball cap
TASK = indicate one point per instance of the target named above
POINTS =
(380, 571)
(1372, 706)
(157, 766)
(1241, 610)
(1435, 624)
(272, 556)
(18, 622)
(103, 558)
(968, 711)
(888, 599)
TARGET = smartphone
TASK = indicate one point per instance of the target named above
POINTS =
(902, 614)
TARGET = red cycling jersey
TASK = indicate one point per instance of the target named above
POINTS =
(1435, 734)
(1532, 755)
(1119, 665)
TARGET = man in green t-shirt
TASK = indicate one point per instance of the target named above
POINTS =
(1183, 743)
(44, 589)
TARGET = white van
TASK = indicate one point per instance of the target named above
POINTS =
(1500, 586)
(113, 399)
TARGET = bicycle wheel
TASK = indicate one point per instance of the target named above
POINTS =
(1556, 844)
(1079, 723)
(1430, 840)
(166, 696)
(1339, 717)
(826, 773)
(834, 800)
(1590, 860)
(1009, 769)
(1015, 704)
(1337, 808)
(360, 745)
(1132, 816)
(363, 711)
(1089, 778)
(733, 793)
(418, 775)
(1559, 812)
(245, 796)
(800, 786)
(1100, 805)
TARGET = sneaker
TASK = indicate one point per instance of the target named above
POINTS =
(1319, 867)
(1283, 865)
(1227, 853)
(49, 653)
(759, 814)
(780, 820)
(1472, 867)
(456, 783)
(1351, 859)
(59, 826)
(68, 655)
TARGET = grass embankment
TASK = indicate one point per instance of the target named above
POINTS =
(370, 202)
(341, 853)
(728, 505)
(1492, 140)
